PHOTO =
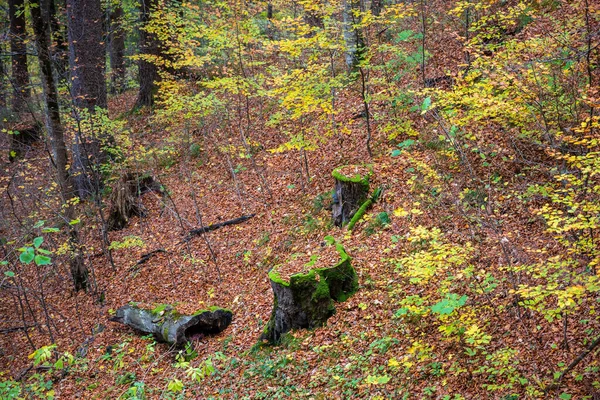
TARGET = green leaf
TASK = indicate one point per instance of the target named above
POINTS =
(443, 308)
(37, 242)
(406, 144)
(74, 221)
(565, 396)
(42, 260)
(27, 256)
(50, 230)
(44, 251)
(10, 274)
(396, 152)
(175, 385)
(39, 224)
(377, 380)
(426, 104)
(405, 35)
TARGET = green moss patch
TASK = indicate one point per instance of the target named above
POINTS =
(353, 173)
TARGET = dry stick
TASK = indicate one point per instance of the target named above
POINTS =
(204, 229)
(199, 219)
(574, 363)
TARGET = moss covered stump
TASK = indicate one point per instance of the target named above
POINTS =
(351, 191)
(306, 300)
(168, 326)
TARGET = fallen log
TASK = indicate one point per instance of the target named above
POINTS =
(204, 229)
(168, 326)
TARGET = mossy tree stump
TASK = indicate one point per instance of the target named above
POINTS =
(168, 326)
(351, 191)
(306, 301)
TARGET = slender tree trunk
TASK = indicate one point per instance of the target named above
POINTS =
(60, 46)
(117, 49)
(86, 53)
(18, 49)
(148, 72)
(40, 18)
(424, 31)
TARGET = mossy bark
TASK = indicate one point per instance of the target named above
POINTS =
(350, 193)
(168, 326)
(307, 300)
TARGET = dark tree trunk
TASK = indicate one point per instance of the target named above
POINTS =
(3, 86)
(350, 193)
(40, 18)
(60, 45)
(307, 300)
(18, 49)
(148, 72)
(376, 7)
(88, 88)
(117, 50)
(168, 326)
(86, 53)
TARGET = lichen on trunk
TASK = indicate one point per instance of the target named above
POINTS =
(306, 301)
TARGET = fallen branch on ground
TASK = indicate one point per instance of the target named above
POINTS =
(204, 229)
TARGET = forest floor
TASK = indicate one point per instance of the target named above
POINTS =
(358, 352)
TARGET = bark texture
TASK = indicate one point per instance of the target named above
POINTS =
(18, 50)
(307, 300)
(86, 53)
(148, 72)
(168, 326)
(117, 50)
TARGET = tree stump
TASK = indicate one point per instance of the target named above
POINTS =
(168, 326)
(351, 190)
(21, 140)
(124, 199)
(307, 299)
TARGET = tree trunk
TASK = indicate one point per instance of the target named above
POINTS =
(351, 190)
(88, 88)
(60, 45)
(18, 49)
(40, 18)
(376, 7)
(117, 50)
(168, 326)
(353, 37)
(307, 300)
(86, 53)
(148, 72)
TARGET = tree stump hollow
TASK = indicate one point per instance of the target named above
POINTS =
(351, 191)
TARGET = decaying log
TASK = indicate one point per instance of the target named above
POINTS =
(168, 326)
(307, 300)
(351, 190)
